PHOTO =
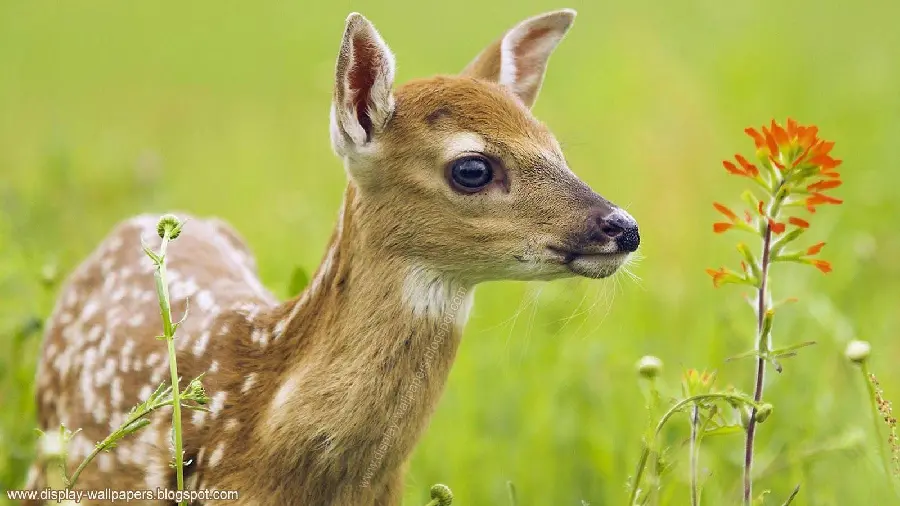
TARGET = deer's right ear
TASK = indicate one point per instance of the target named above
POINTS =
(363, 101)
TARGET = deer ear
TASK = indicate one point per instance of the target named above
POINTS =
(364, 76)
(519, 59)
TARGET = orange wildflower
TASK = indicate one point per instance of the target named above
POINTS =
(770, 141)
(749, 168)
(815, 248)
(724, 210)
(792, 127)
(824, 185)
(798, 222)
(732, 168)
(775, 226)
(822, 265)
(781, 137)
(717, 275)
(722, 226)
(758, 139)
(817, 198)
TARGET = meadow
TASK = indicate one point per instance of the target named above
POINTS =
(110, 109)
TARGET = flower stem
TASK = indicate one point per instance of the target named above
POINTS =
(165, 307)
(650, 441)
(695, 454)
(110, 440)
(761, 347)
(876, 426)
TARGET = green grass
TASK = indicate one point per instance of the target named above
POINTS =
(103, 105)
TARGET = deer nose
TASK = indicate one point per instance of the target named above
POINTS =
(622, 228)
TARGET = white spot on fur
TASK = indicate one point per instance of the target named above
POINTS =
(205, 300)
(201, 343)
(217, 403)
(116, 396)
(214, 367)
(248, 382)
(89, 310)
(153, 359)
(198, 418)
(284, 393)
(136, 320)
(94, 333)
(216, 456)
(279, 328)
(231, 424)
(105, 462)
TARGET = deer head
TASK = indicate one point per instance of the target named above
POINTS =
(455, 174)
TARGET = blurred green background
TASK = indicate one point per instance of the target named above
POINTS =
(109, 109)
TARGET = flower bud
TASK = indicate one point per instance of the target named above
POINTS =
(745, 415)
(196, 392)
(52, 445)
(441, 495)
(763, 412)
(649, 366)
(858, 351)
(169, 223)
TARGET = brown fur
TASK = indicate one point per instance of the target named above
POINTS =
(320, 400)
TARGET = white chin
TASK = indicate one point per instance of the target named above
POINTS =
(597, 266)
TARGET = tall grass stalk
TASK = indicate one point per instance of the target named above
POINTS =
(762, 348)
(169, 228)
(695, 455)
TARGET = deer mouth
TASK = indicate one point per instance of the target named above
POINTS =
(589, 264)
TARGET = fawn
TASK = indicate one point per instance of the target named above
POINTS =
(321, 399)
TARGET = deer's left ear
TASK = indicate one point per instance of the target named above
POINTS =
(363, 100)
(519, 59)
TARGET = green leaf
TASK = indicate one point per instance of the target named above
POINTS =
(513, 497)
(792, 496)
(724, 430)
(792, 347)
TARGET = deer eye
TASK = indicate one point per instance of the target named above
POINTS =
(471, 173)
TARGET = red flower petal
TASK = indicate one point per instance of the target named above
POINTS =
(757, 137)
(724, 210)
(825, 162)
(822, 265)
(770, 141)
(775, 226)
(792, 128)
(822, 148)
(806, 137)
(824, 185)
(732, 168)
(815, 248)
(721, 226)
(798, 222)
(749, 168)
(820, 198)
(781, 137)
(777, 163)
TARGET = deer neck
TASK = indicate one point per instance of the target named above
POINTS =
(369, 345)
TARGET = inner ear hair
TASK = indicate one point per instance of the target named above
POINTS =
(519, 59)
(363, 100)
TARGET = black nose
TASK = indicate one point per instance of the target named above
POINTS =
(622, 228)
